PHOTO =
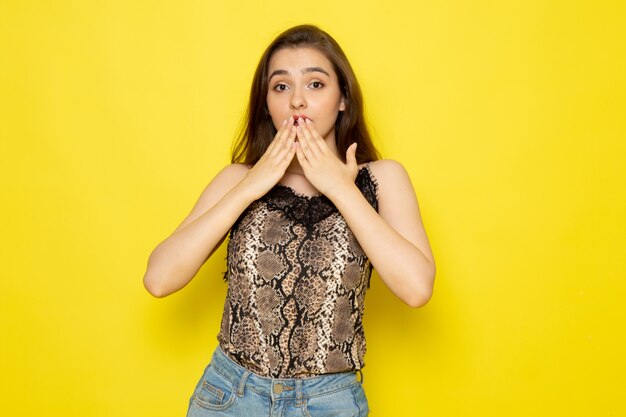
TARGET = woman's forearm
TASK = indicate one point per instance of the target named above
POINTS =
(176, 260)
(403, 267)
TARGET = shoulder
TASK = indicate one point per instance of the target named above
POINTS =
(386, 166)
(388, 173)
(393, 184)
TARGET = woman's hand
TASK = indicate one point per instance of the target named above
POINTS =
(271, 167)
(327, 173)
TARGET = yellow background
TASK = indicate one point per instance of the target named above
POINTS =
(509, 117)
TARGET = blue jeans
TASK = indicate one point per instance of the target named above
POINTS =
(228, 389)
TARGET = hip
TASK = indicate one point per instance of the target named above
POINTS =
(228, 389)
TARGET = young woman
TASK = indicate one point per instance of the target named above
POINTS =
(310, 209)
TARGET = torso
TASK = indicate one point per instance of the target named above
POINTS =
(297, 282)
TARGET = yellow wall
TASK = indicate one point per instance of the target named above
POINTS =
(509, 116)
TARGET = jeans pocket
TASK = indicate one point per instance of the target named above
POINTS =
(214, 391)
(341, 403)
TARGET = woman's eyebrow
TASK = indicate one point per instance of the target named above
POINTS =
(304, 71)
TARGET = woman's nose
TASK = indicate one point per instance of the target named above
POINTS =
(297, 100)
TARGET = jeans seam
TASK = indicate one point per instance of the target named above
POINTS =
(354, 394)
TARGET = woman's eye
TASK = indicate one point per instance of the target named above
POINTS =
(283, 87)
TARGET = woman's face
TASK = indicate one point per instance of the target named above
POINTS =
(302, 82)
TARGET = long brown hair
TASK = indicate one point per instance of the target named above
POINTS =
(258, 131)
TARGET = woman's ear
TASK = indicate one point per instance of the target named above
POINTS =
(342, 104)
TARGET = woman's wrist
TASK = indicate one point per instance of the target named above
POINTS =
(341, 192)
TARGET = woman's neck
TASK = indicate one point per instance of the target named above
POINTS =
(294, 167)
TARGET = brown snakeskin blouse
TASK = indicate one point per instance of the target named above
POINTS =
(297, 279)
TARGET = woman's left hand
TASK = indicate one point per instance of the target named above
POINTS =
(326, 172)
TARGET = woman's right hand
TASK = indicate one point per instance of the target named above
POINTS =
(271, 167)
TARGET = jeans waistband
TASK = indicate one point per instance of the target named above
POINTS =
(280, 388)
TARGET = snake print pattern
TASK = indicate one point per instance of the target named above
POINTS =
(297, 279)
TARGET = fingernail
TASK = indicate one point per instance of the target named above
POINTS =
(308, 121)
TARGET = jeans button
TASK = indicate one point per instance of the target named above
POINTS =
(278, 388)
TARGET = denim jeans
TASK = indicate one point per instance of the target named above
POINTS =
(228, 389)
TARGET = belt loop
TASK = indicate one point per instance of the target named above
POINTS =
(298, 392)
(242, 383)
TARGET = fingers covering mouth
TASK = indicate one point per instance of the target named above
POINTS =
(296, 119)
